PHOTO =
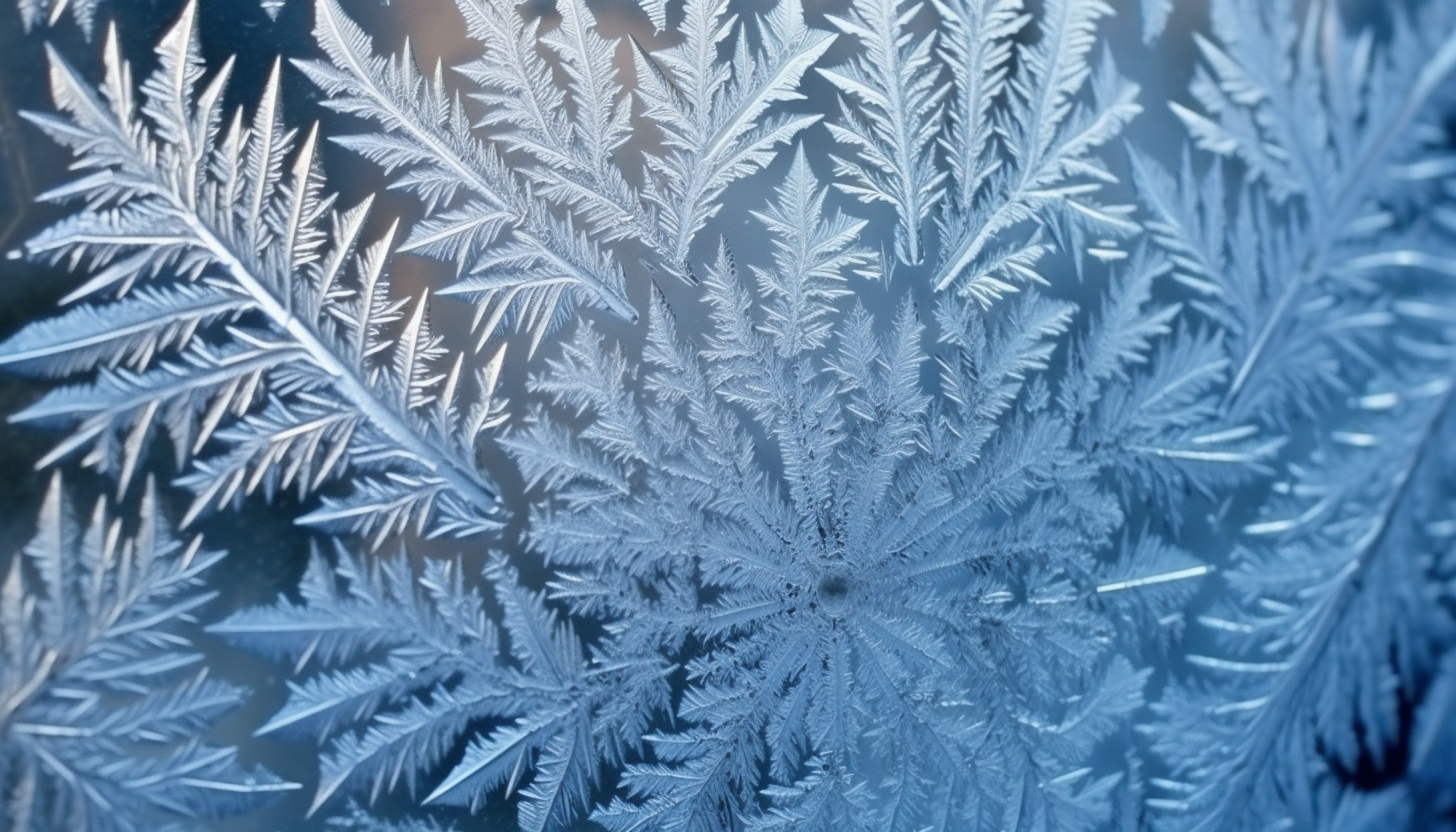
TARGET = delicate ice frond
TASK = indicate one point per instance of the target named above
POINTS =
(1170, 434)
(901, 96)
(978, 41)
(514, 255)
(48, 12)
(1062, 107)
(1332, 614)
(402, 670)
(715, 116)
(1155, 15)
(1315, 116)
(1312, 273)
(576, 157)
(534, 234)
(229, 306)
(837, 559)
(102, 697)
(812, 256)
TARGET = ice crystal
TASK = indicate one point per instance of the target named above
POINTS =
(876, 444)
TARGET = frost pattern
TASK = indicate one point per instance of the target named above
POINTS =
(103, 696)
(520, 259)
(230, 306)
(828, 528)
(1022, 148)
(48, 12)
(845, 566)
(902, 99)
(1322, 282)
(419, 665)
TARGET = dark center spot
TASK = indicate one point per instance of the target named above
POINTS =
(833, 586)
(833, 591)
